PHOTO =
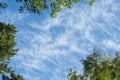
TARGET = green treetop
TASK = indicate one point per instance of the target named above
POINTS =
(38, 6)
(97, 67)
(7, 41)
(12, 76)
(7, 50)
(7, 46)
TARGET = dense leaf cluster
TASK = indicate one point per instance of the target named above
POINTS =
(12, 76)
(3, 5)
(7, 50)
(7, 41)
(97, 67)
(38, 6)
(7, 44)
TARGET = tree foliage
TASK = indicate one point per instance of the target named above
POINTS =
(38, 6)
(12, 76)
(3, 5)
(7, 50)
(7, 46)
(7, 41)
(97, 67)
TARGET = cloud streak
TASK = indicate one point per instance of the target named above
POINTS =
(48, 47)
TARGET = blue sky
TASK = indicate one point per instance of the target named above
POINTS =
(48, 46)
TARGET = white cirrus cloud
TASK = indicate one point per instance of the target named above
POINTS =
(48, 47)
(8, 16)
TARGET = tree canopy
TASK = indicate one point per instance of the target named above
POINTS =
(7, 46)
(97, 67)
(38, 6)
(7, 41)
(7, 50)
(12, 76)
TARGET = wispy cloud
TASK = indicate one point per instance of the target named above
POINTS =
(8, 16)
(111, 44)
(48, 47)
